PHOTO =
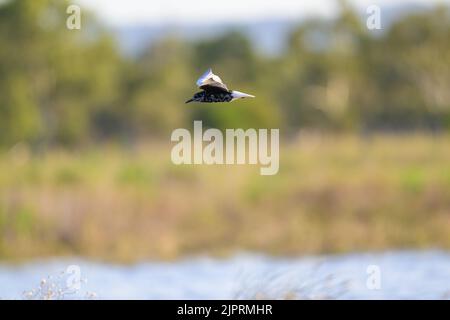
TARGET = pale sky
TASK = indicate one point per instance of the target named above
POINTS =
(131, 12)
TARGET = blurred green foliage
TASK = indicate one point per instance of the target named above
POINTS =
(334, 193)
(74, 87)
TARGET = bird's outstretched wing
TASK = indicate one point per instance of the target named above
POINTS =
(211, 82)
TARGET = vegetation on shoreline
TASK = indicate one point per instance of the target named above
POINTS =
(332, 194)
(85, 151)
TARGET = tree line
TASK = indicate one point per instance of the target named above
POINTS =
(73, 87)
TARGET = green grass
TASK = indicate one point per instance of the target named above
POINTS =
(332, 194)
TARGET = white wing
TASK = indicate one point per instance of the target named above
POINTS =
(210, 81)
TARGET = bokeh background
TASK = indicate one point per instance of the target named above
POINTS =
(86, 117)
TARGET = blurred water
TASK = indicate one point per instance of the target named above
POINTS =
(408, 275)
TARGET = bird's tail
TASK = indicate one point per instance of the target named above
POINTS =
(190, 100)
(237, 95)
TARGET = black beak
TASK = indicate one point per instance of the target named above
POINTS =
(190, 100)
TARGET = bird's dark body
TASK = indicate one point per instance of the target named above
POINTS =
(211, 96)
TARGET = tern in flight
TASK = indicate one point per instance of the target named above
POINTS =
(214, 90)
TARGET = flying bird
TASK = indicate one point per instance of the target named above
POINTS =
(214, 90)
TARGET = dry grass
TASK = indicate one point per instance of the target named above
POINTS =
(332, 194)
